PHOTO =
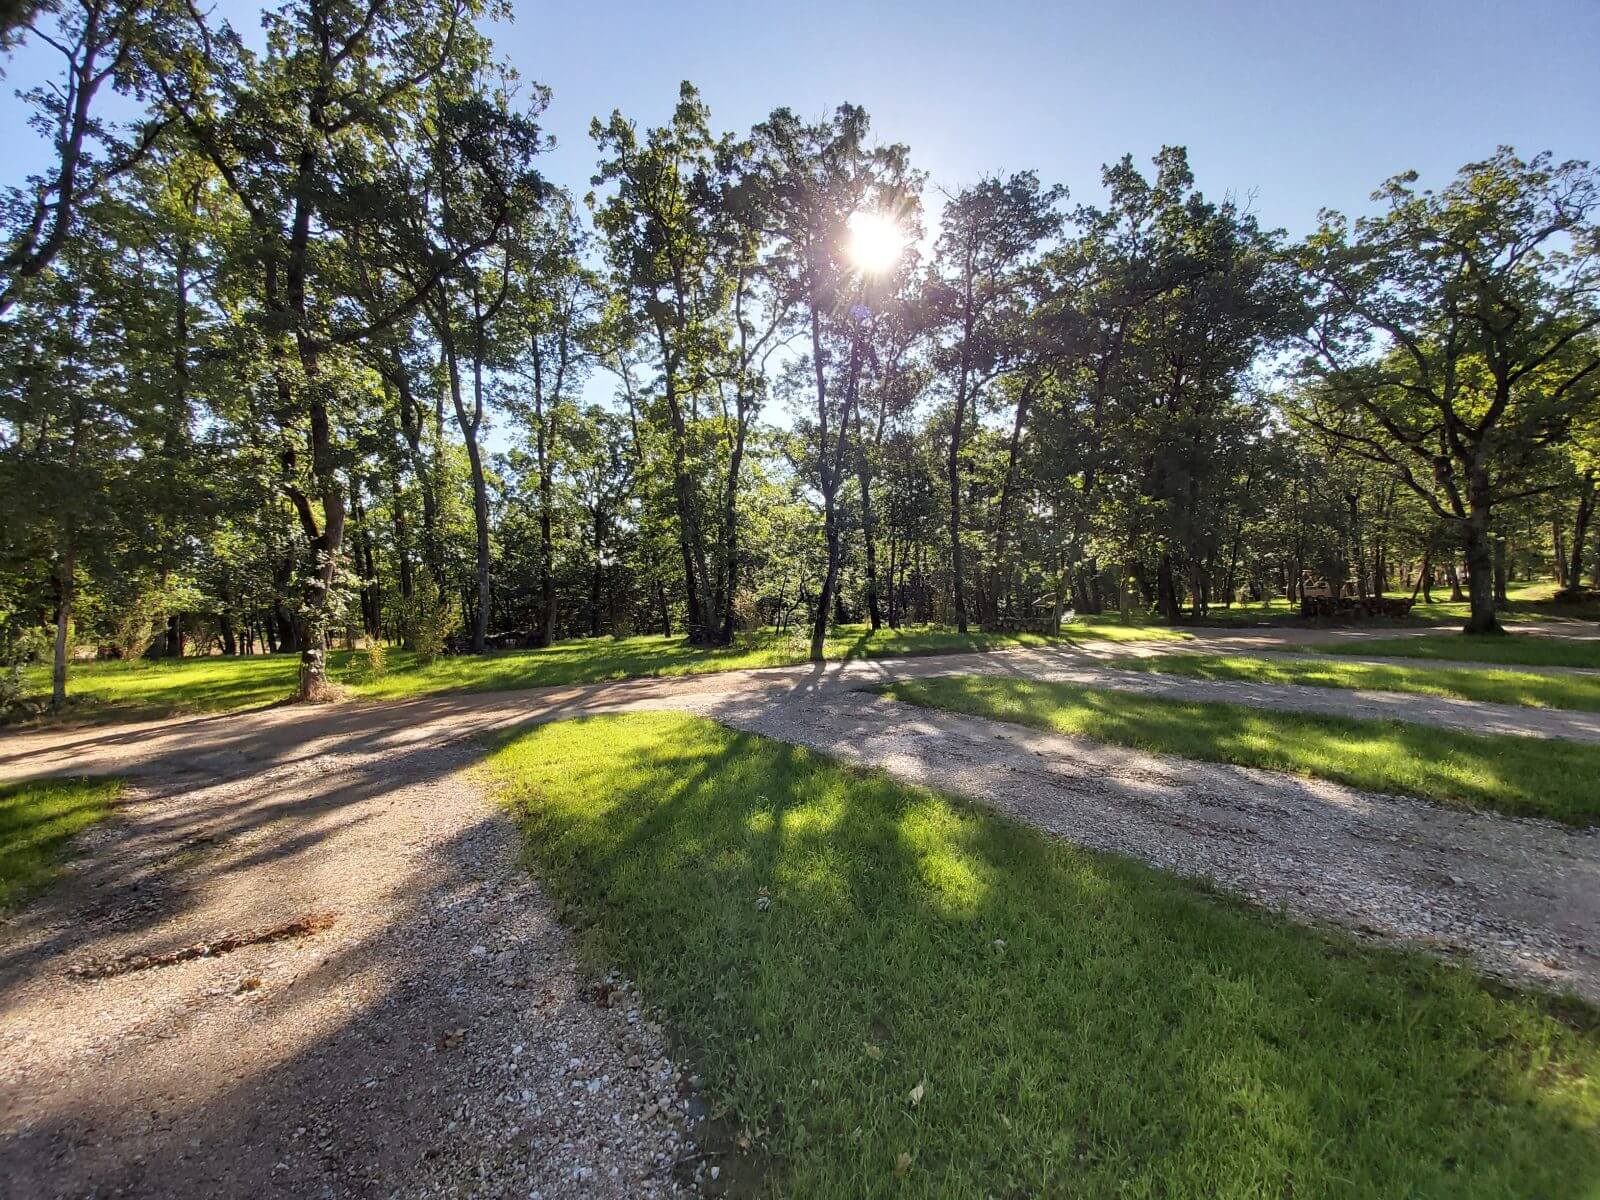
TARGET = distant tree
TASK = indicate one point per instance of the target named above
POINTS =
(990, 239)
(1451, 337)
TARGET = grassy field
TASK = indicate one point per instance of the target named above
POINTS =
(1511, 650)
(37, 820)
(1499, 687)
(215, 684)
(933, 1002)
(1527, 602)
(1521, 776)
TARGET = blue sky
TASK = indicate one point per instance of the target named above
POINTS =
(1292, 104)
(1298, 105)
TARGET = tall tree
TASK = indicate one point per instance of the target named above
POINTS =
(816, 180)
(317, 138)
(1452, 336)
(990, 238)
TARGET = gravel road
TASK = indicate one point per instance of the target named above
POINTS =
(303, 959)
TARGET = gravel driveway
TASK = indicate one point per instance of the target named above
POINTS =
(382, 1001)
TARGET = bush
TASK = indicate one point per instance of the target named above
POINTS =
(369, 663)
(428, 620)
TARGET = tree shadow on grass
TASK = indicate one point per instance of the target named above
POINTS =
(1080, 1025)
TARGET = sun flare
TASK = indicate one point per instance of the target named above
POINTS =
(875, 243)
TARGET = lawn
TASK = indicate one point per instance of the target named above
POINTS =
(1527, 602)
(1520, 776)
(1526, 688)
(934, 1002)
(37, 821)
(129, 690)
(1512, 650)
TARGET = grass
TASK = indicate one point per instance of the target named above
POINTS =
(1526, 688)
(1519, 776)
(129, 690)
(1079, 1025)
(1531, 601)
(37, 821)
(1515, 649)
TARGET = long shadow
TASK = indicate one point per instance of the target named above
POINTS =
(369, 1105)
(1083, 1025)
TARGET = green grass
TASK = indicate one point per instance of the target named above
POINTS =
(1499, 687)
(37, 820)
(1520, 776)
(1080, 1025)
(1516, 649)
(130, 690)
(1526, 602)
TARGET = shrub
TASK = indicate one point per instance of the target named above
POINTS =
(368, 663)
(429, 621)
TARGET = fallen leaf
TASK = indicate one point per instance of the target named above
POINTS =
(916, 1093)
(902, 1165)
(874, 1052)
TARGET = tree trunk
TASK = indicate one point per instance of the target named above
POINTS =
(1480, 566)
(1580, 531)
(830, 472)
(1166, 590)
(66, 589)
(469, 434)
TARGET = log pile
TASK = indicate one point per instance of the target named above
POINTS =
(1044, 625)
(1351, 608)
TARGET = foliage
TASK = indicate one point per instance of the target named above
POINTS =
(428, 621)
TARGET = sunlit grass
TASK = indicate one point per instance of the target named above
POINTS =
(1527, 602)
(1079, 1025)
(1499, 687)
(216, 684)
(37, 821)
(1522, 776)
(1517, 649)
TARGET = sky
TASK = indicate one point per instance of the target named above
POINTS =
(1291, 105)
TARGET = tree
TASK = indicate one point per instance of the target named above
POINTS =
(989, 240)
(676, 251)
(102, 44)
(316, 140)
(814, 180)
(1451, 336)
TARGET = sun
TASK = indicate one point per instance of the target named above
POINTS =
(875, 242)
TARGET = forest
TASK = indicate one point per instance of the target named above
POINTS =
(302, 348)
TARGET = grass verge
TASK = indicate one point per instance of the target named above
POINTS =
(1519, 776)
(1512, 650)
(1526, 688)
(37, 821)
(131, 690)
(1070, 1023)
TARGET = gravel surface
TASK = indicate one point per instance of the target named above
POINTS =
(436, 1038)
(1520, 898)
(430, 1030)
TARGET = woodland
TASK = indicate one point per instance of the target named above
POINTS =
(303, 349)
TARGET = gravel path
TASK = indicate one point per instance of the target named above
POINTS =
(1519, 897)
(436, 1038)
(1467, 716)
(426, 1028)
